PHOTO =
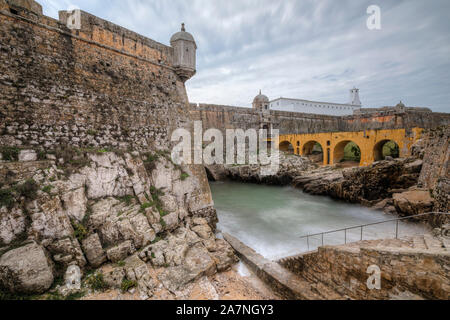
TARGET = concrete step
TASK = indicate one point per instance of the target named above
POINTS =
(283, 281)
(419, 243)
(433, 243)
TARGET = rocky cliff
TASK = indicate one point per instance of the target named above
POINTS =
(97, 207)
(86, 118)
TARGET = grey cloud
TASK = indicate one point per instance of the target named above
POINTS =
(306, 49)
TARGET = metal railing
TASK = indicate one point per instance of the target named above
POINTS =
(345, 230)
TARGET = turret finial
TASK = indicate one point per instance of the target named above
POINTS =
(182, 27)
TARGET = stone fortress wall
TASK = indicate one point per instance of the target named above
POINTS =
(102, 86)
(230, 117)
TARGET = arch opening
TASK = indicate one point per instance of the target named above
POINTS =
(385, 149)
(286, 146)
(314, 151)
(347, 154)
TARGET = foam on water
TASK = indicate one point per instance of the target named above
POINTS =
(271, 219)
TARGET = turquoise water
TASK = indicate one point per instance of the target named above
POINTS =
(271, 219)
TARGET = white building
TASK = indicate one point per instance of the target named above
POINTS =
(316, 107)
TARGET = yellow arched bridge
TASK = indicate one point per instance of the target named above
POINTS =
(333, 144)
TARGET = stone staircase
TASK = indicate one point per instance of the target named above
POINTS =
(412, 268)
(317, 268)
(285, 282)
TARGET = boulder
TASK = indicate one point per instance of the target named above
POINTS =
(92, 247)
(197, 264)
(224, 255)
(114, 278)
(72, 278)
(12, 224)
(66, 251)
(136, 270)
(75, 204)
(413, 202)
(27, 155)
(120, 252)
(26, 270)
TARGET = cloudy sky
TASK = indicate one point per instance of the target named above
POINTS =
(316, 50)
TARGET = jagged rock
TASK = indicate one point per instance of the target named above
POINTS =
(27, 155)
(106, 177)
(93, 249)
(67, 251)
(72, 278)
(224, 255)
(115, 277)
(120, 252)
(197, 263)
(116, 221)
(26, 270)
(48, 218)
(203, 230)
(413, 202)
(12, 224)
(137, 270)
(75, 203)
(171, 221)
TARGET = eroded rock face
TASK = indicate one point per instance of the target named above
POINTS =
(12, 224)
(290, 167)
(92, 247)
(26, 270)
(112, 207)
(413, 202)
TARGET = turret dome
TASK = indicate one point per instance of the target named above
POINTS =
(260, 98)
(182, 35)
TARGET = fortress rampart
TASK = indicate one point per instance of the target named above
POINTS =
(102, 85)
(229, 117)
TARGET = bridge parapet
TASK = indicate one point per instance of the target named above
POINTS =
(370, 143)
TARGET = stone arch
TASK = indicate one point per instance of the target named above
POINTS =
(313, 150)
(385, 148)
(342, 152)
(286, 146)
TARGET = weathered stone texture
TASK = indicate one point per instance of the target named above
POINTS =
(26, 270)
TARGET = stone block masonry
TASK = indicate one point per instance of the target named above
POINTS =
(230, 117)
(101, 86)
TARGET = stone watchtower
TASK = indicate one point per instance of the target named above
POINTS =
(185, 50)
(354, 97)
(261, 102)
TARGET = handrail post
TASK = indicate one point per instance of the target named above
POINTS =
(362, 233)
(307, 240)
(322, 239)
(396, 230)
(345, 236)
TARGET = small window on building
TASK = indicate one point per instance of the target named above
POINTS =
(328, 143)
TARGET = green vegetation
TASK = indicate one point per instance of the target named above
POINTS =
(352, 152)
(391, 149)
(6, 198)
(184, 176)
(10, 153)
(121, 264)
(28, 190)
(80, 231)
(48, 189)
(128, 200)
(126, 285)
(157, 239)
(96, 282)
